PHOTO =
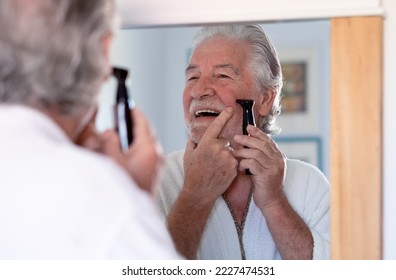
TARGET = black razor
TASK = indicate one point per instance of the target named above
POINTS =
(123, 106)
(248, 118)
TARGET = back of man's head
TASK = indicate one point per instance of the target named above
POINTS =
(51, 52)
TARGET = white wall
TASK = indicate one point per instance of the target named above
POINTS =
(156, 59)
(307, 40)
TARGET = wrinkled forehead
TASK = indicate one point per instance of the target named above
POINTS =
(222, 50)
(221, 42)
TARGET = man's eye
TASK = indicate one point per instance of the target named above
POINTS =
(223, 76)
(191, 78)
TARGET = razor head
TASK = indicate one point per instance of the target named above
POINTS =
(248, 115)
(120, 73)
(246, 104)
(248, 118)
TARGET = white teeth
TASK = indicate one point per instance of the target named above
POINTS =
(201, 113)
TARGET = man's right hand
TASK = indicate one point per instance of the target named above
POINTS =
(209, 166)
(209, 169)
(144, 158)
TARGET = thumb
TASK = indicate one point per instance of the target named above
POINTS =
(190, 146)
(111, 145)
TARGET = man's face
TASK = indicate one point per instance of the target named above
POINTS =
(216, 76)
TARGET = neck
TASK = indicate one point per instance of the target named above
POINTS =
(240, 187)
(238, 195)
(66, 123)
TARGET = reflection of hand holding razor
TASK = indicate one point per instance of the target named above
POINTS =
(248, 118)
(123, 107)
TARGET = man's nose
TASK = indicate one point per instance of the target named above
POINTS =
(202, 88)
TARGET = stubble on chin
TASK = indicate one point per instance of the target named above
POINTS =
(196, 131)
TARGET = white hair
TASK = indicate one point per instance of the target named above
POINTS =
(51, 53)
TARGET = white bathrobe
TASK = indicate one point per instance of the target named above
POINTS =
(60, 201)
(306, 188)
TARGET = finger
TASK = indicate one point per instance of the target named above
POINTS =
(142, 129)
(260, 141)
(256, 132)
(224, 143)
(265, 155)
(190, 146)
(111, 143)
(252, 165)
(256, 160)
(93, 143)
(261, 157)
(259, 134)
(215, 128)
(250, 141)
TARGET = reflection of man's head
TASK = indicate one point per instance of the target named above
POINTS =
(262, 67)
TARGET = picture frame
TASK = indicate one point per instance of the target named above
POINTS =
(300, 101)
(305, 148)
(295, 88)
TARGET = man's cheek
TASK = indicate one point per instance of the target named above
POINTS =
(235, 124)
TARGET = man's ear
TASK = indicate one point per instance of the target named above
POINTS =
(266, 102)
(107, 40)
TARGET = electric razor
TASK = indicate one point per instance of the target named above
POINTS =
(248, 118)
(123, 106)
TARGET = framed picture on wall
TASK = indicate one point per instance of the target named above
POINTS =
(300, 102)
(295, 89)
(308, 149)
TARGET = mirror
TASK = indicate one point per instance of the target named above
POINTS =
(356, 52)
(157, 58)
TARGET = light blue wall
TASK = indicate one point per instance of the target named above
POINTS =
(312, 39)
(157, 59)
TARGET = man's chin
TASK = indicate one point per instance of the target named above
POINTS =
(196, 133)
(195, 137)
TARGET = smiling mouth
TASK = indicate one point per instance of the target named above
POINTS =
(206, 113)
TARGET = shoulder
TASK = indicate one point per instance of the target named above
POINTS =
(307, 190)
(88, 163)
(174, 158)
(90, 175)
(171, 182)
(174, 171)
(304, 179)
(128, 215)
(300, 170)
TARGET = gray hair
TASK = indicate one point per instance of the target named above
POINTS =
(51, 55)
(264, 63)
